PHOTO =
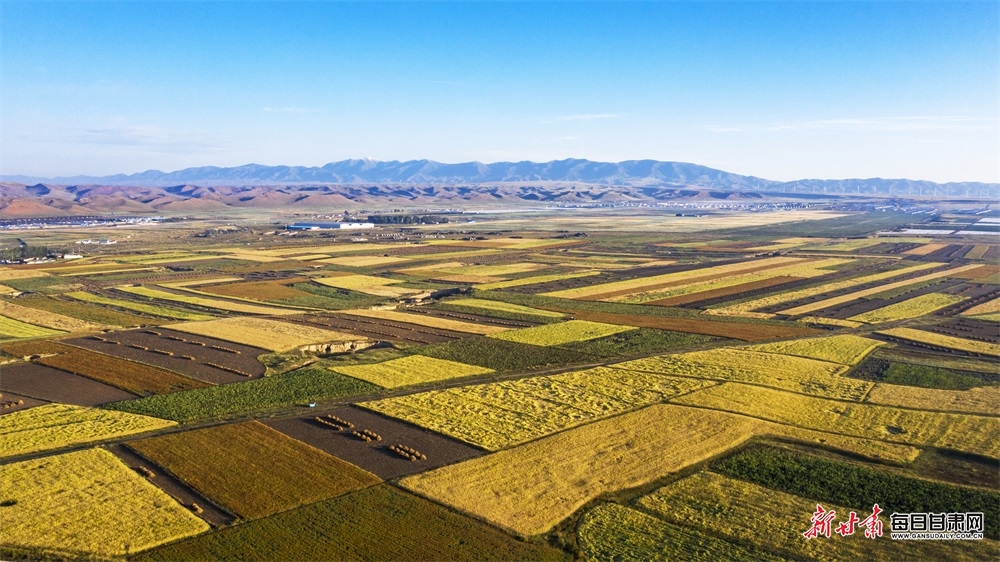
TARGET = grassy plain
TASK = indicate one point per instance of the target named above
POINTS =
(58, 425)
(251, 469)
(87, 503)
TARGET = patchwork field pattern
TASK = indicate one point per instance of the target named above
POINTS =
(536, 279)
(960, 432)
(217, 304)
(798, 374)
(429, 321)
(845, 349)
(941, 340)
(58, 425)
(46, 319)
(748, 513)
(88, 503)
(15, 329)
(263, 333)
(54, 385)
(980, 400)
(563, 332)
(130, 376)
(501, 414)
(503, 307)
(227, 463)
(153, 309)
(379, 286)
(910, 308)
(410, 370)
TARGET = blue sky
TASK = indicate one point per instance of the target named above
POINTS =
(778, 90)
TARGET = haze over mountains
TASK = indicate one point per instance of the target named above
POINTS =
(427, 182)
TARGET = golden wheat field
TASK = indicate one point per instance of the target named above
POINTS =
(941, 340)
(427, 320)
(988, 307)
(47, 319)
(410, 370)
(980, 400)
(265, 333)
(960, 432)
(563, 332)
(88, 503)
(846, 349)
(910, 308)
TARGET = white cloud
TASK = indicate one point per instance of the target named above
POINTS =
(885, 124)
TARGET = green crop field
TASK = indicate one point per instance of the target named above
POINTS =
(563, 332)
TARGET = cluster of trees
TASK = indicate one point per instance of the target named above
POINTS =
(24, 251)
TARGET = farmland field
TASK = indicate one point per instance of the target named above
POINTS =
(138, 307)
(911, 308)
(429, 321)
(844, 349)
(53, 385)
(561, 333)
(88, 503)
(46, 319)
(15, 329)
(501, 355)
(941, 340)
(209, 303)
(224, 463)
(262, 332)
(414, 369)
(505, 307)
(57, 425)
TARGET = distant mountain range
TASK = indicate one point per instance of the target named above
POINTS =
(430, 182)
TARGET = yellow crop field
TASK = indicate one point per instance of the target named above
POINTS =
(972, 434)
(427, 320)
(8, 274)
(988, 307)
(467, 279)
(138, 307)
(745, 307)
(378, 286)
(268, 334)
(59, 425)
(798, 374)
(797, 270)
(910, 308)
(535, 279)
(5, 290)
(636, 285)
(498, 415)
(504, 307)
(830, 322)
(413, 369)
(218, 304)
(364, 261)
(847, 245)
(941, 340)
(558, 474)
(925, 249)
(88, 503)
(15, 329)
(845, 349)
(977, 252)
(197, 282)
(744, 512)
(47, 319)
(981, 400)
(833, 301)
(104, 272)
(563, 332)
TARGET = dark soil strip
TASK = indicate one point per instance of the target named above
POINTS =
(696, 300)
(969, 329)
(859, 306)
(175, 488)
(473, 318)
(45, 383)
(11, 400)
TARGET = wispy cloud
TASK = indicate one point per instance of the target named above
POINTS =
(150, 139)
(885, 124)
(285, 109)
(587, 116)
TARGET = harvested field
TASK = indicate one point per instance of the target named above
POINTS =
(53, 385)
(129, 376)
(614, 532)
(501, 414)
(410, 370)
(750, 514)
(15, 329)
(375, 456)
(216, 304)
(461, 314)
(747, 331)
(925, 376)
(943, 341)
(309, 384)
(380, 329)
(258, 290)
(731, 291)
(429, 321)
(925, 249)
(910, 308)
(966, 433)
(561, 333)
(214, 362)
(379, 286)
(501, 355)
(845, 349)
(349, 527)
(10, 403)
(989, 307)
(977, 252)
(981, 400)
(798, 374)
(537, 279)
(641, 342)
(88, 503)
(224, 463)
(364, 261)
(59, 425)
(10, 274)
(970, 328)
(263, 333)
(46, 319)
(86, 312)
(155, 310)
(499, 306)
(782, 298)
